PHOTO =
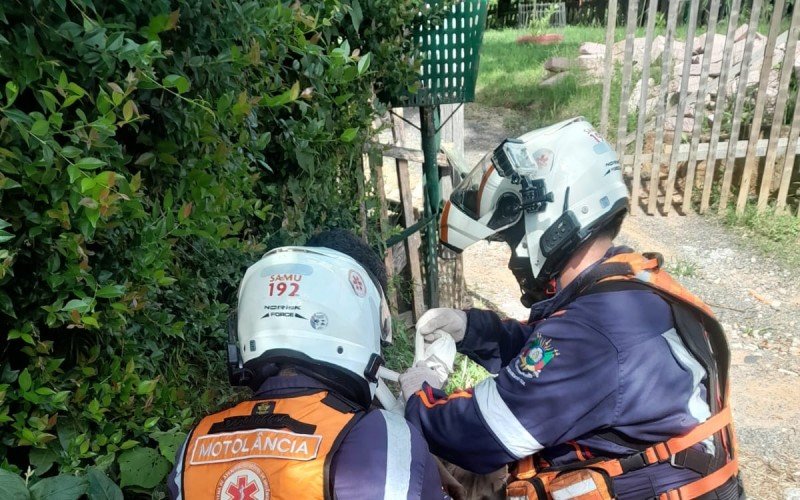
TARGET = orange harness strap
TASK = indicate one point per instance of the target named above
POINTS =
(661, 452)
(705, 484)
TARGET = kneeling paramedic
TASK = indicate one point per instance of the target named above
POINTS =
(617, 385)
(307, 339)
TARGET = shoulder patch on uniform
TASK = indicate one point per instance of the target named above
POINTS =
(537, 354)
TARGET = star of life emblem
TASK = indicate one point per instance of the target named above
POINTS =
(357, 282)
(244, 481)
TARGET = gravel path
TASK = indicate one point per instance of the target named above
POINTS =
(755, 297)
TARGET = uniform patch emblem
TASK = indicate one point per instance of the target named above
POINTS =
(537, 354)
(244, 481)
(264, 408)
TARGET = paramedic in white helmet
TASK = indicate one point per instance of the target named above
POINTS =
(307, 339)
(616, 386)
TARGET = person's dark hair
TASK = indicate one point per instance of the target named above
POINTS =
(349, 244)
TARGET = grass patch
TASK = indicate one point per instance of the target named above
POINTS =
(510, 74)
(772, 233)
(682, 268)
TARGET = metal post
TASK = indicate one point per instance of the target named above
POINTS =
(429, 126)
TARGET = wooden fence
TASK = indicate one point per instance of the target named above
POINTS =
(707, 121)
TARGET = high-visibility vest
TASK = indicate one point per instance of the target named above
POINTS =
(704, 339)
(275, 449)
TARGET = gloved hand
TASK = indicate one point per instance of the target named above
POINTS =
(412, 379)
(442, 319)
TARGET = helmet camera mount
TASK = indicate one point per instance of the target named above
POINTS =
(533, 191)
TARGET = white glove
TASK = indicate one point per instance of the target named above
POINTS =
(412, 379)
(441, 320)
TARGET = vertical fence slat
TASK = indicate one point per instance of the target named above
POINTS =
(699, 106)
(780, 109)
(609, 65)
(751, 161)
(739, 97)
(661, 113)
(679, 116)
(627, 69)
(652, 10)
(789, 158)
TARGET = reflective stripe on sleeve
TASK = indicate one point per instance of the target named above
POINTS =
(398, 457)
(505, 426)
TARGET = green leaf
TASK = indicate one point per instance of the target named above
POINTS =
(127, 111)
(12, 487)
(42, 459)
(363, 63)
(80, 305)
(12, 89)
(146, 387)
(349, 134)
(6, 306)
(5, 236)
(111, 291)
(169, 442)
(24, 380)
(101, 487)
(179, 82)
(40, 127)
(143, 467)
(355, 14)
(71, 151)
(294, 92)
(62, 487)
(89, 163)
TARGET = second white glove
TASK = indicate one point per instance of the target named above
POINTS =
(435, 322)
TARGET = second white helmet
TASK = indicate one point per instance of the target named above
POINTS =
(562, 183)
(317, 309)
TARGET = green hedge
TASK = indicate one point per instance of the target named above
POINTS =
(149, 151)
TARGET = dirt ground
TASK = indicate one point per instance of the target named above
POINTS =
(755, 297)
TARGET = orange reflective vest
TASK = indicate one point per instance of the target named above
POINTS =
(266, 449)
(704, 338)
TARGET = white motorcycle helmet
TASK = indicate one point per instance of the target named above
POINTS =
(545, 193)
(315, 309)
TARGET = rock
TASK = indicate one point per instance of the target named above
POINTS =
(717, 46)
(557, 64)
(591, 48)
(686, 126)
(656, 49)
(593, 66)
(636, 96)
(740, 33)
(553, 79)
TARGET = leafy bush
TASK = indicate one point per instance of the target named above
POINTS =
(148, 152)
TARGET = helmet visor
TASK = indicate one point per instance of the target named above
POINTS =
(468, 194)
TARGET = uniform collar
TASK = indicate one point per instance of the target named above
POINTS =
(563, 296)
(288, 384)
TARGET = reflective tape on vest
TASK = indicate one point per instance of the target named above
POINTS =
(262, 443)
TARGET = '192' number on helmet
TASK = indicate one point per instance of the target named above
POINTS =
(280, 288)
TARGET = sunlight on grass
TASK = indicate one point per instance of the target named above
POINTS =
(510, 75)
